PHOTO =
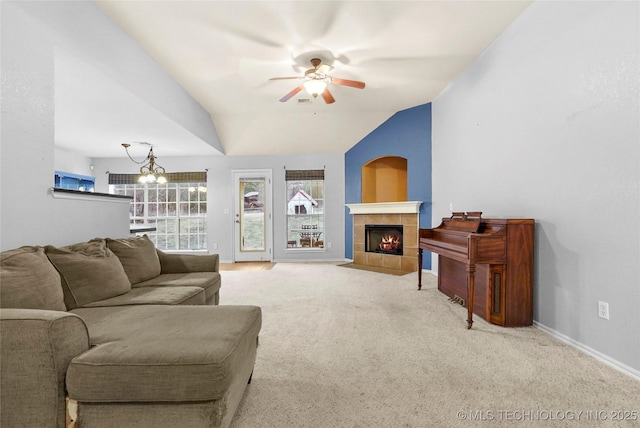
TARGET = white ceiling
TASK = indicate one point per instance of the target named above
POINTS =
(224, 52)
(95, 115)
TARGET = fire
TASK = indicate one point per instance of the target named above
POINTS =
(389, 243)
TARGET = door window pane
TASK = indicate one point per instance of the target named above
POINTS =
(252, 213)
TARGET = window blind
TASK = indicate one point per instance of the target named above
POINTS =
(304, 174)
(172, 177)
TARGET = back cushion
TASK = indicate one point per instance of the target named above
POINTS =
(89, 271)
(138, 256)
(29, 281)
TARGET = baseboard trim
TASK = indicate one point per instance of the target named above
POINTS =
(296, 261)
(332, 260)
(630, 371)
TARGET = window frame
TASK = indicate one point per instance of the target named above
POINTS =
(71, 181)
(308, 231)
(176, 235)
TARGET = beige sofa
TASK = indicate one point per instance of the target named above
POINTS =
(112, 332)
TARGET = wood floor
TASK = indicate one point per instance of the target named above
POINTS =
(270, 265)
(247, 266)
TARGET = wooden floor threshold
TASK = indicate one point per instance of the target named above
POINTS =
(246, 266)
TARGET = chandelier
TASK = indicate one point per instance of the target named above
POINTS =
(150, 171)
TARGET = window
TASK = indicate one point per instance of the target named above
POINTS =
(178, 211)
(305, 208)
(70, 181)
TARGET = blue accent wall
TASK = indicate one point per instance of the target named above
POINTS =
(406, 134)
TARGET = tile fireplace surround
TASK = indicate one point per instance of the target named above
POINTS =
(404, 213)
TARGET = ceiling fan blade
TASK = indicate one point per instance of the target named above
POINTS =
(345, 82)
(328, 98)
(292, 93)
(284, 78)
(324, 69)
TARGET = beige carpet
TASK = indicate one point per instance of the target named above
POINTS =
(373, 269)
(350, 348)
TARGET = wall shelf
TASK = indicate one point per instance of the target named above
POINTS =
(88, 196)
(384, 180)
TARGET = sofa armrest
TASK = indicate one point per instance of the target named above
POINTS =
(36, 347)
(182, 263)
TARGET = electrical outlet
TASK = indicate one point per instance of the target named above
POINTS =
(215, 246)
(603, 310)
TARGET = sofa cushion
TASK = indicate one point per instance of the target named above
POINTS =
(138, 257)
(163, 353)
(209, 281)
(181, 262)
(89, 271)
(155, 296)
(29, 281)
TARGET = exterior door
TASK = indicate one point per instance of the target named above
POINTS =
(252, 216)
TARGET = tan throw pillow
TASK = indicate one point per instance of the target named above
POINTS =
(89, 271)
(29, 281)
(138, 256)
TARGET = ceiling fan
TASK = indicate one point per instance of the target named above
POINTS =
(316, 82)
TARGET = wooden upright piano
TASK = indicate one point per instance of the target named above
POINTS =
(485, 264)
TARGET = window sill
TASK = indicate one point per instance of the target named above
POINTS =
(186, 252)
(94, 196)
(142, 229)
(306, 249)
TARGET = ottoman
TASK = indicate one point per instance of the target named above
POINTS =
(164, 366)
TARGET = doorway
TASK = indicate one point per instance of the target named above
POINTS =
(252, 216)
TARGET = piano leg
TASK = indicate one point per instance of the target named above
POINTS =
(471, 280)
(419, 268)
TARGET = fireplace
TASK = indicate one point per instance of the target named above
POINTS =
(383, 238)
(397, 215)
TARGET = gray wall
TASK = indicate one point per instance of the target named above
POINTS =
(29, 215)
(545, 124)
(31, 31)
(220, 197)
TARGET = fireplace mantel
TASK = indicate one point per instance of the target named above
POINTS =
(408, 207)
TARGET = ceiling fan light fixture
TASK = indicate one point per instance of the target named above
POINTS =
(316, 81)
(315, 87)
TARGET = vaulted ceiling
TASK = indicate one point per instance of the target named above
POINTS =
(223, 53)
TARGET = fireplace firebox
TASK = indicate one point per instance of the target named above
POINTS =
(383, 238)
